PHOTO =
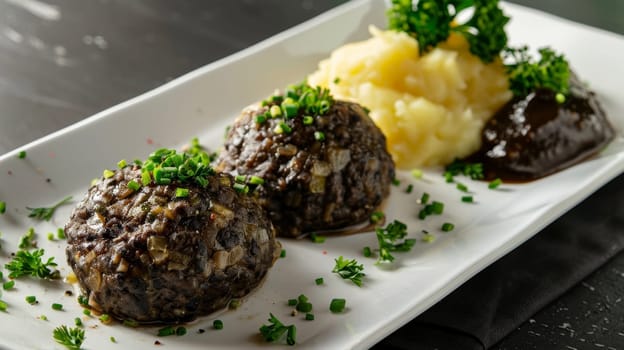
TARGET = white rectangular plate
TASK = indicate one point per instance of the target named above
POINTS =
(203, 102)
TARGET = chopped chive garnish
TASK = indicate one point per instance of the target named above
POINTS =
(447, 227)
(3, 306)
(448, 176)
(417, 174)
(105, 318)
(283, 253)
(308, 120)
(145, 177)
(275, 111)
(112, 339)
(60, 233)
(337, 305)
(241, 188)
(166, 331)
(133, 185)
(317, 238)
(290, 108)
(437, 207)
(180, 331)
(367, 252)
(319, 281)
(285, 127)
(21, 155)
(78, 321)
(427, 237)
(86, 312)
(336, 80)
(234, 304)
(560, 98)
(304, 307)
(309, 317)
(261, 119)
(181, 192)
(57, 306)
(409, 188)
(376, 217)
(83, 300)
(240, 178)
(278, 129)
(8, 285)
(396, 182)
(107, 173)
(122, 164)
(256, 180)
(495, 183)
(467, 199)
(130, 323)
(217, 324)
(50, 236)
(462, 187)
(31, 299)
(292, 302)
(319, 135)
(2, 207)
(424, 198)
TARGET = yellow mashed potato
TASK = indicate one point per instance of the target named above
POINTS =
(432, 107)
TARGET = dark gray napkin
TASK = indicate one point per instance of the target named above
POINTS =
(497, 300)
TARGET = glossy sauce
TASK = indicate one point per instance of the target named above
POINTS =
(534, 136)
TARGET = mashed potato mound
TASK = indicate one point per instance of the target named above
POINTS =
(432, 107)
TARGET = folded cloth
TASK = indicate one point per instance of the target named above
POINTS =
(501, 297)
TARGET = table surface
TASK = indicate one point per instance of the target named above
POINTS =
(62, 61)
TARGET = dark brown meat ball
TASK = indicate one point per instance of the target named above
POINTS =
(329, 174)
(150, 256)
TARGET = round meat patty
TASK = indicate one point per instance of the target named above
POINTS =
(151, 256)
(320, 172)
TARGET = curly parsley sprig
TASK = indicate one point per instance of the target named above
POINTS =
(46, 213)
(71, 338)
(349, 269)
(276, 329)
(392, 239)
(432, 21)
(526, 74)
(27, 263)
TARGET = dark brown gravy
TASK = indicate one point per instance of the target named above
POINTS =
(535, 136)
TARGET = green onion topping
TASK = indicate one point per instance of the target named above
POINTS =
(337, 305)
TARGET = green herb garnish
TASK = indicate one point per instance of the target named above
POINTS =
(71, 338)
(337, 305)
(27, 240)
(495, 183)
(217, 324)
(275, 331)
(2, 207)
(432, 21)
(27, 263)
(459, 167)
(45, 213)
(447, 227)
(316, 238)
(8, 285)
(550, 72)
(21, 155)
(392, 239)
(349, 270)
